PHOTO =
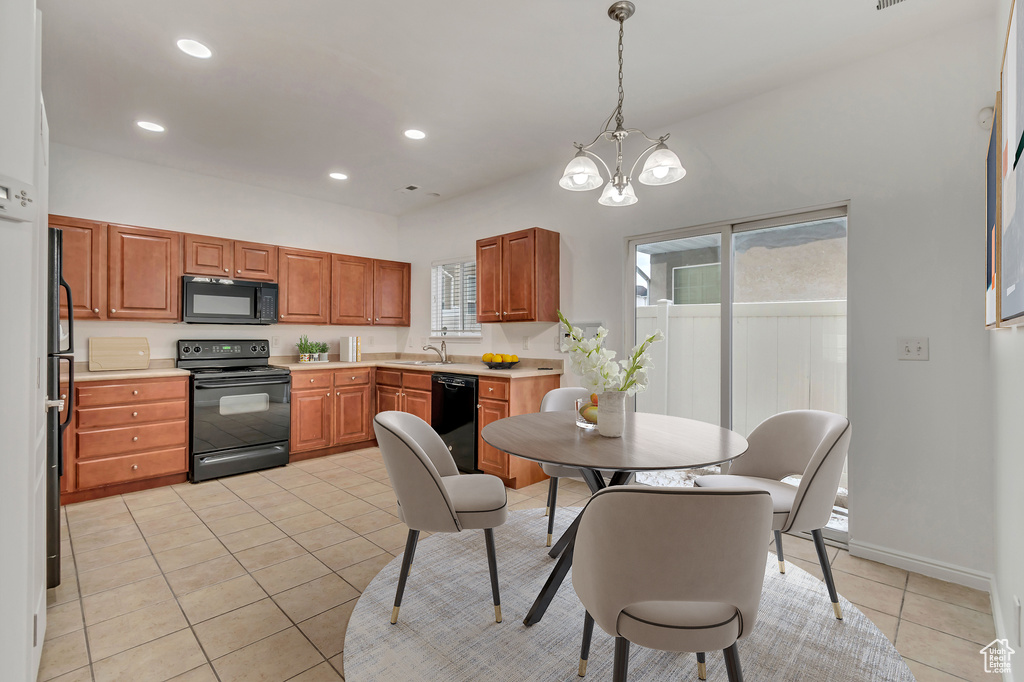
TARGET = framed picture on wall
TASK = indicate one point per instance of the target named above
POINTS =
(1011, 244)
(992, 307)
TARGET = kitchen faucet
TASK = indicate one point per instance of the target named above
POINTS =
(443, 352)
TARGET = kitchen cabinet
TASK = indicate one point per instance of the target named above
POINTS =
(351, 290)
(126, 435)
(330, 408)
(85, 266)
(255, 261)
(305, 286)
(500, 398)
(208, 256)
(391, 293)
(404, 392)
(143, 273)
(517, 277)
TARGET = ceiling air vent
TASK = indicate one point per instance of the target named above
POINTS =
(882, 4)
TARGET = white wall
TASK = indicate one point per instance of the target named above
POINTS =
(87, 184)
(896, 136)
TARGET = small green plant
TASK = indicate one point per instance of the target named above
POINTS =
(323, 347)
(306, 346)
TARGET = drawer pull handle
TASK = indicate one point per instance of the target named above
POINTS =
(353, 378)
(135, 467)
(312, 380)
(135, 414)
(135, 392)
(134, 438)
(491, 388)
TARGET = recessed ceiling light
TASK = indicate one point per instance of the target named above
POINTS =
(339, 176)
(414, 134)
(194, 48)
(150, 126)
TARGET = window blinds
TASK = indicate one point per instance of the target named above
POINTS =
(453, 298)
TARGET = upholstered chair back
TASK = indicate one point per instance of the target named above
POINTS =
(416, 458)
(639, 544)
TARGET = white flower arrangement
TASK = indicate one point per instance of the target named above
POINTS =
(596, 365)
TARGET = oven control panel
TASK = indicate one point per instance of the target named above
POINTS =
(226, 350)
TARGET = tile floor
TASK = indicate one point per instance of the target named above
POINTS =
(259, 573)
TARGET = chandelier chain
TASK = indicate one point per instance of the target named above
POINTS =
(618, 111)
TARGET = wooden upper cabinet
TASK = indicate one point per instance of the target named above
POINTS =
(517, 277)
(255, 261)
(488, 280)
(351, 290)
(144, 273)
(391, 293)
(305, 286)
(84, 266)
(208, 256)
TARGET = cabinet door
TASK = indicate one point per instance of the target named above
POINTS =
(489, 459)
(208, 256)
(84, 266)
(256, 261)
(389, 399)
(351, 290)
(518, 277)
(311, 420)
(417, 403)
(305, 290)
(351, 414)
(391, 282)
(488, 280)
(143, 273)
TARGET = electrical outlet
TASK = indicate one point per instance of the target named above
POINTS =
(526, 343)
(912, 348)
(275, 341)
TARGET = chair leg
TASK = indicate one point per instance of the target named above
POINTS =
(588, 633)
(732, 663)
(410, 547)
(492, 565)
(778, 551)
(702, 665)
(826, 569)
(412, 555)
(621, 665)
(552, 505)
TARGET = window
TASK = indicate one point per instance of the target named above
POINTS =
(453, 298)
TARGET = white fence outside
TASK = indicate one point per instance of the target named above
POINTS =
(786, 356)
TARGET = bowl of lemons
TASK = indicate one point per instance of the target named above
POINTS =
(499, 360)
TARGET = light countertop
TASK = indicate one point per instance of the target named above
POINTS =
(478, 368)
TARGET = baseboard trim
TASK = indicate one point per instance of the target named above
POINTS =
(1002, 631)
(919, 564)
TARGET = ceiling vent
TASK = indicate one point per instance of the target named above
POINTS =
(882, 4)
(407, 189)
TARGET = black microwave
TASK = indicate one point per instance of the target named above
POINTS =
(215, 300)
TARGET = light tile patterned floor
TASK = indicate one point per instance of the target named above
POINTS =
(260, 572)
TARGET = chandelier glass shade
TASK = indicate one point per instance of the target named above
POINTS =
(662, 166)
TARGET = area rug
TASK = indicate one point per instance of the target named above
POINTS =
(446, 629)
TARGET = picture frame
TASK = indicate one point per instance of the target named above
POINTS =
(993, 307)
(1010, 199)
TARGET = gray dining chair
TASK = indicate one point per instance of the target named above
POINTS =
(433, 496)
(675, 569)
(559, 400)
(810, 443)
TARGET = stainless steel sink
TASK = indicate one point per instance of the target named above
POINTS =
(418, 362)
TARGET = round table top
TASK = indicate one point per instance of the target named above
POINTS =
(649, 442)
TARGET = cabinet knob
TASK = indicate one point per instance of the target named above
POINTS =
(113, 310)
(135, 414)
(226, 270)
(328, 394)
(96, 310)
(338, 393)
(135, 392)
(135, 467)
(378, 319)
(353, 378)
(63, 396)
(134, 438)
(312, 380)
(369, 320)
(490, 388)
(238, 271)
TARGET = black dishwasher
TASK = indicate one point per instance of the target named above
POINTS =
(453, 416)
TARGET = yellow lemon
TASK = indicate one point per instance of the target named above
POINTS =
(487, 357)
(506, 358)
(515, 358)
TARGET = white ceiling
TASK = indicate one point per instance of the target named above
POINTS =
(297, 89)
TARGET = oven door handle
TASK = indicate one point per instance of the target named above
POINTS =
(242, 384)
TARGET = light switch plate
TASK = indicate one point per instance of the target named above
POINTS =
(912, 348)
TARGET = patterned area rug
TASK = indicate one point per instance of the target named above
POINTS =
(446, 629)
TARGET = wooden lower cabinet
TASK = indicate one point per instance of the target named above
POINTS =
(488, 459)
(389, 398)
(126, 435)
(336, 412)
(404, 392)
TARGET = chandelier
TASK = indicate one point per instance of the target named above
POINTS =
(661, 168)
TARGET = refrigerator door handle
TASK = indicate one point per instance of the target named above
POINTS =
(71, 316)
(69, 404)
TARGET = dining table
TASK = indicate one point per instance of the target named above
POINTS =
(650, 442)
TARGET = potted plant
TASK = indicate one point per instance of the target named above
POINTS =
(307, 349)
(323, 349)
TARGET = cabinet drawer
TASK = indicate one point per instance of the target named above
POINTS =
(303, 380)
(416, 381)
(107, 442)
(127, 415)
(389, 377)
(131, 391)
(352, 377)
(496, 389)
(110, 470)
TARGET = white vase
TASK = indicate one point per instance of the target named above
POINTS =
(611, 414)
